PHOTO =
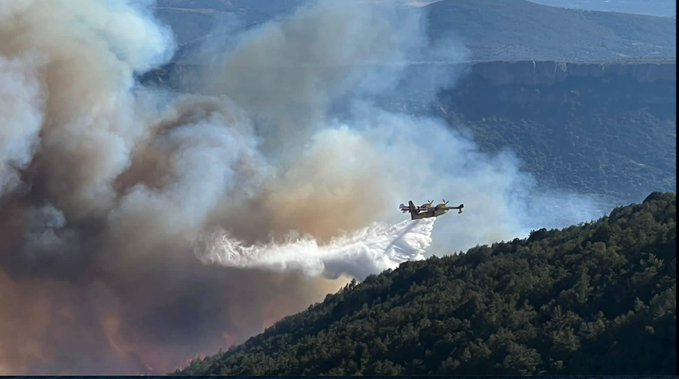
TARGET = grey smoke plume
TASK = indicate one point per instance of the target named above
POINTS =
(283, 170)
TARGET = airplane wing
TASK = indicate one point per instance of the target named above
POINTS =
(459, 208)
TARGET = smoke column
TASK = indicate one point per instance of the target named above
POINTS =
(140, 227)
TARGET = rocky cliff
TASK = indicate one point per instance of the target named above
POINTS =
(591, 127)
(551, 72)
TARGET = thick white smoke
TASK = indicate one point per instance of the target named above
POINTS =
(140, 226)
(21, 119)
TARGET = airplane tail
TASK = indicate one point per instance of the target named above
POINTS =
(411, 207)
(459, 207)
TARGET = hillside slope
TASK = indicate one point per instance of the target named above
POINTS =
(598, 298)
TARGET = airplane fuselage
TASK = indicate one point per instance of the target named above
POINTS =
(427, 210)
(429, 213)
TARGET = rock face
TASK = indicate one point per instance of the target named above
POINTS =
(597, 128)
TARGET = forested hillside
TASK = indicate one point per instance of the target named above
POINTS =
(597, 298)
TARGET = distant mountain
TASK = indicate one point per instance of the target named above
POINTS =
(194, 20)
(492, 29)
(597, 298)
(599, 118)
(522, 30)
(607, 130)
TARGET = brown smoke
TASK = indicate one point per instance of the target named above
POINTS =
(103, 190)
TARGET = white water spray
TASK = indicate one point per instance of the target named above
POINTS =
(367, 251)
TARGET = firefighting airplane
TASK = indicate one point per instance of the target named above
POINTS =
(428, 209)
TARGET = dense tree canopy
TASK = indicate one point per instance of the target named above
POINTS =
(597, 298)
